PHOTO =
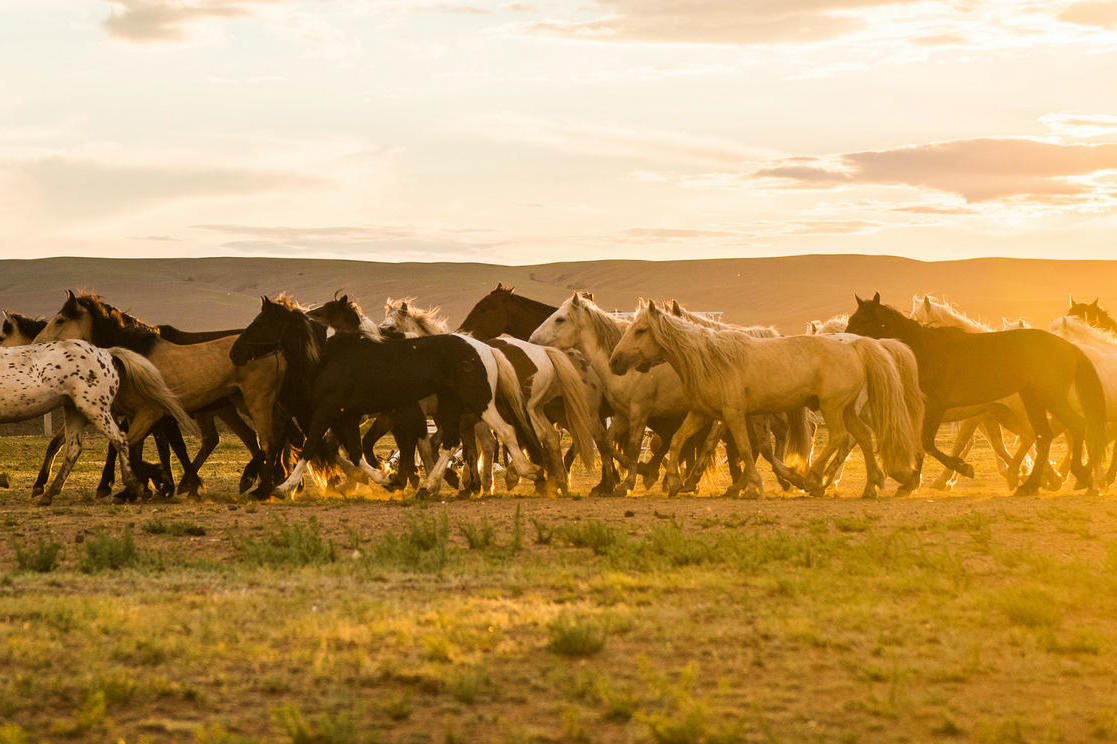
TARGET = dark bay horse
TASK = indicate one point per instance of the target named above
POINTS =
(1093, 314)
(504, 311)
(335, 382)
(958, 369)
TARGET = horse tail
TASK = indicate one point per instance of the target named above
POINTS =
(1091, 397)
(575, 401)
(800, 439)
(908, 368)
(897, 443)
(141, 378)
(508, 388)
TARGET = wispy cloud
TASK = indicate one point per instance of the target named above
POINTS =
(169, 20)
(976, 169)
(1102, 13)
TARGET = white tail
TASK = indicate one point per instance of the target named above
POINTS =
(508, 387)
(888, 406)
(576, 404)
(142, 379)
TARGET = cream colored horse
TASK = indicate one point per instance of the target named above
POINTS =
(1100, 347)
(730, 375)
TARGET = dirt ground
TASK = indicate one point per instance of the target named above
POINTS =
(966, 615)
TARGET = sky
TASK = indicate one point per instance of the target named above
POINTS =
(528, 131)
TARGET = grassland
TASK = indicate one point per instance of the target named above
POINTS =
(971, 616)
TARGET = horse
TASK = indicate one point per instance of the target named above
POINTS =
(408, 426)
(656, 400)
(836, 324)
(1093, 314)
(762, 429)
(200, 373)
(728, 374)
(1008, 413)
(87, 382)
(336, 381)
(546, 374)
(958, 369)
(19, 330)
(502, 311)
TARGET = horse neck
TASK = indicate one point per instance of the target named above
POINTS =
(528, 315)
(690, 351)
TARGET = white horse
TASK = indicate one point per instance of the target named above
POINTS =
(635, 398)
(1100, 346)
(88, 383)
(729, 375)
(546, 375)
(1008, 413)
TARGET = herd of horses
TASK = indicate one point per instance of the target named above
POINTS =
(298, 384)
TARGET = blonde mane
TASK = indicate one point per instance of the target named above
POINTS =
(932, 311)
(699, 354)
(606, 327)
(427, 322)
(1074, 328)
(756, 331)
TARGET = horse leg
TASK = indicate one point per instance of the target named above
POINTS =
(767, 448)
(874, 479)
(995, 436)
(451, 421)
(701, 464)
(1075, 430)
(74, 424)
(609, 477)
(631, 449)
(48, 459)
(108, 473)
(962, 444)
(1037, 416)
(692, 424)
(750, 482)
(932, 417)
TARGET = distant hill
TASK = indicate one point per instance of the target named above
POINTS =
(204, 293)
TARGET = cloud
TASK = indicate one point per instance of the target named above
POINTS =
(1080, 126)
(719, 21)
(168, 20)
(976, 169)
(1101, 13)
(352, 241)
(72, 188)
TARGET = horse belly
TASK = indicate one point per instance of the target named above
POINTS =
(23, 401)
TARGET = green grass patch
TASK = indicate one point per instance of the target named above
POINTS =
(44, 557)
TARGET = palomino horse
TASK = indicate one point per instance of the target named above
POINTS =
(335, 382)
(1051, 375)
(546, 375)
(201, 373)
(730, 375)
(1008, 413)
(769, 433)
(88, 383)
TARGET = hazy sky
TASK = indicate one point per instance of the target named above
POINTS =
(525, 131)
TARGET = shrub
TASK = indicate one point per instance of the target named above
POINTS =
(106, 553)
(290, 545)
(593, 534)
(576, 636)
(174, 529)
(43, 558)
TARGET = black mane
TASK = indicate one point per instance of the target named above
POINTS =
(111, 326)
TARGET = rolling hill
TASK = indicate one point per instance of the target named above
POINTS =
(204, 293)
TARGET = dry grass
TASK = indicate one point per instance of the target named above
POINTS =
(969, 617)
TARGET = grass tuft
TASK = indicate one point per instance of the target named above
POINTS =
(576, 636)
(43, 558)
(106, 553)
(290, 545)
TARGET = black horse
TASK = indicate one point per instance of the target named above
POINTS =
(331, 384)
(957, 369)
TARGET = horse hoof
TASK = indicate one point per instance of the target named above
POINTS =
(38, 491)
(246, 483)
(620, 491)
(44, 499)
(870, 492)
(103, 492)
(965, 469)
(817, 493)
(423, 493)
(650, 481)
(1024, 491)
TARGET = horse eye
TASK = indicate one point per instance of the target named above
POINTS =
(560, 320)
(639, 331)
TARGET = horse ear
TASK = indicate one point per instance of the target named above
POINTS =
(675, 308)
(499, 287)
(1095, 302)
(860, 301)
(876, 298)
(576, 300)
(403, 305)
(652, 308)
(70, 294)
(926, 302)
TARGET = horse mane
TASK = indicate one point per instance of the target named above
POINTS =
(27, 326)
(430, 321)
(756, 331)
(837, 324)
(700, 353)
(945, 313)
(1075, 326)
(111, 326)
(606, 327)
